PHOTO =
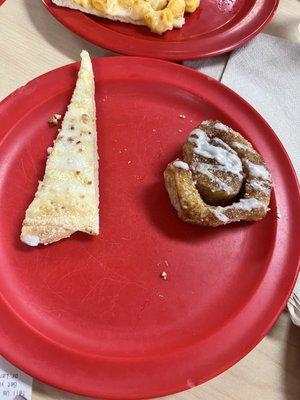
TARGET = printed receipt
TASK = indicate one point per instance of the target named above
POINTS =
(14, 384)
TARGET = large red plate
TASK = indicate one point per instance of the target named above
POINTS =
(216, 27)
(92, 315)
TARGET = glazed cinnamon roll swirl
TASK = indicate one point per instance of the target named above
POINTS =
(220, 180)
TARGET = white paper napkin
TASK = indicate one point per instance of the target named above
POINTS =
(266, 73)
(14, 384)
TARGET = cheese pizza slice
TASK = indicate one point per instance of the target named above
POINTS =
(67, 199)
(159, 15)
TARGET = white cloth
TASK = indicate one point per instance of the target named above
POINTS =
(266, 73)
(213, 67)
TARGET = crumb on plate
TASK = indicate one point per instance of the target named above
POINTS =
(53, 121)
(164, 275)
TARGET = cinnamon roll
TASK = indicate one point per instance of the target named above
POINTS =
(221, 179)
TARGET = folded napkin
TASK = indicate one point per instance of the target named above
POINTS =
(266, 73)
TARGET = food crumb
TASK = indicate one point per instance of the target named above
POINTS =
(129, 162)
(182, 116)
(153, 130)
(161, 295)
(53, 121)
(164, 275)
(278, 215)
(179, 130)
(49, 150)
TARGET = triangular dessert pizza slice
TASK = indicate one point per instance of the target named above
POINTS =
(67, 199)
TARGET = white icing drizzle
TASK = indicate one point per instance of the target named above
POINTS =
(78, 163)
(248, 204)
(218, 213)
(78, 189)
(221, 127)
(181, 165)
(258, 185)
(228, 159)
(242, 146)
(258, 171)
(31, 240)
(227, 147)
(243, 205)
(208, 170)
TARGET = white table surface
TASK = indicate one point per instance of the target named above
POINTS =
(272, 370)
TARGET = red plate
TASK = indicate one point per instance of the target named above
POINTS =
(214, 28)
(92, 315)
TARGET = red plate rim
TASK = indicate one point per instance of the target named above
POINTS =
(42, 351)
(246, 29)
